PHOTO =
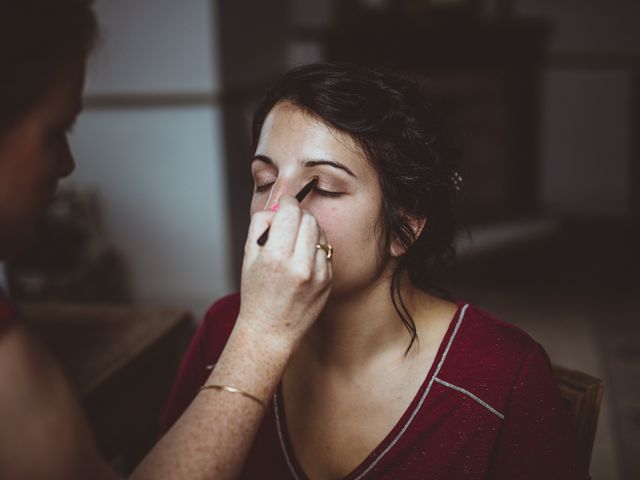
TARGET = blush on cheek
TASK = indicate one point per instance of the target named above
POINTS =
(330, 221)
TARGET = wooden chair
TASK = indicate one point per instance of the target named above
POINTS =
(583, 395)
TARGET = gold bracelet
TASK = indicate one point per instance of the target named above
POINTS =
(234, 390)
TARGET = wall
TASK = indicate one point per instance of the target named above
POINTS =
(587, 138)
(150, 143)
(586, 142)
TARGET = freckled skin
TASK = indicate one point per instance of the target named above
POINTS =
(278, 306)
(218, 425)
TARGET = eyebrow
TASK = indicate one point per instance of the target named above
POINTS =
(312, 162)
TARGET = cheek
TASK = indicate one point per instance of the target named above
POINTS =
(255, 205)
(40, 173)
(262, 200)
(351, 219)
(29, 174)
(26, 169)
(350, 231)
(331, 220)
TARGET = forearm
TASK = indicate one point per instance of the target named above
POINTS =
(213, 436)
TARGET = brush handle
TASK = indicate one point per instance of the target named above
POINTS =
(264, 237)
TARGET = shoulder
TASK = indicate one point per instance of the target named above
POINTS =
(490, 357)
(483, 335)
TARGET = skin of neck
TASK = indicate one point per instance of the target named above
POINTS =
(360, 327)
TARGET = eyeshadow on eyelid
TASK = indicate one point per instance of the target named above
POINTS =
(333, 183)
(264, 176)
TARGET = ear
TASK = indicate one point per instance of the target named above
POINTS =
(417, 225)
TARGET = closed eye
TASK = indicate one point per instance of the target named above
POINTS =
(324, 193)
(263, 188)
(327, 193)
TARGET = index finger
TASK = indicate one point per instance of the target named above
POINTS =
(285, 226)
(260, 221)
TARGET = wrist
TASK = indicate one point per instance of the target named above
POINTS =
(273, 343)
(252, 361)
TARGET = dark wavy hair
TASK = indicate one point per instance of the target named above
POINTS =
(401, 135)
(36, 38)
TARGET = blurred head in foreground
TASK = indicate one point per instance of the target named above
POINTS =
(43, 49)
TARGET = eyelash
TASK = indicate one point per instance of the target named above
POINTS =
(324, 193)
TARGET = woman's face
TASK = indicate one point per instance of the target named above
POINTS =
(35, 154)
(294, 147)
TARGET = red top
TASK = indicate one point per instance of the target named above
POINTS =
(488, 408)
(7, 313)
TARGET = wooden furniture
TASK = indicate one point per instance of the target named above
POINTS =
(583, 395)
(123, 361)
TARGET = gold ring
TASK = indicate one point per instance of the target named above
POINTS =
(328, 249)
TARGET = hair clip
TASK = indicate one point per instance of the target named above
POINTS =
(456, 179)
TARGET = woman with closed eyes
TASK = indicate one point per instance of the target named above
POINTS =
(391, 381)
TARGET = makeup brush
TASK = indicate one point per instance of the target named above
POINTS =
(299, 197)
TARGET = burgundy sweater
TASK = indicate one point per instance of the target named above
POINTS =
(488, 408)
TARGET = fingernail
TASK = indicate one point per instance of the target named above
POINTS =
(275, 208)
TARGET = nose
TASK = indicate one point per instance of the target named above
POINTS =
(279, 189)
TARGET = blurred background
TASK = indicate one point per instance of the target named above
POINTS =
(542, 96)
